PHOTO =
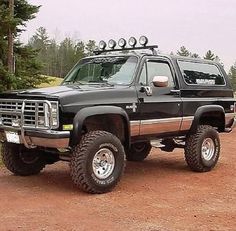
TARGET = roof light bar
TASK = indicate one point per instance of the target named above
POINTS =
(143, 41)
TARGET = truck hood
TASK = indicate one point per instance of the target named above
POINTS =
(58, 91)
(74, 97)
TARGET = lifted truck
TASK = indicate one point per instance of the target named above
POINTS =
(110, 107)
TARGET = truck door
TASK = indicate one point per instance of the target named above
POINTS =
(159, 107)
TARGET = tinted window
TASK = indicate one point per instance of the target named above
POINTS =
(114, 70)
(201, 73)
(156, 69)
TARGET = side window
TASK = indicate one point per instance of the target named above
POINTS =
(201, 73)
(159, 69)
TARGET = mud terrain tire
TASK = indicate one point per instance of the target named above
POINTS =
(97, 162)
(22, 161)
(202, 149)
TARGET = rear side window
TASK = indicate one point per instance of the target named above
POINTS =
(201, 73)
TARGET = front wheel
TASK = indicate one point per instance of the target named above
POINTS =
(97, 162)
(22, 161)
(202, 149)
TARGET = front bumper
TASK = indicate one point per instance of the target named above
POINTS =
(42, 138)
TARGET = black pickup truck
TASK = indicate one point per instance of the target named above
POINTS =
(110, 107)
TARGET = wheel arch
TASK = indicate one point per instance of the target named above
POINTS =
(213, 115)
(101, 117)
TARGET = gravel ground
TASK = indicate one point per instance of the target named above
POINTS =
(160, 193)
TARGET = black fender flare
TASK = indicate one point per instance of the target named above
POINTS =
(205, 109)
(98, 110)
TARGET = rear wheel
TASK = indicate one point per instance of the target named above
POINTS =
(22, 161)
(202, 149)
(97, 162)
(138, 151)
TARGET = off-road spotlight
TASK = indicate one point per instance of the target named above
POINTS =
(132, 41)
(102, 45)
(143, 40)
(112, 43)
(122, 43)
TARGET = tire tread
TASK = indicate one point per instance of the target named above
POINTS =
(191, 154)
(78, 162)
(12, 161)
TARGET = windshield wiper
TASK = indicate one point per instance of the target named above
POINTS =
(102, 83)
(73, 82)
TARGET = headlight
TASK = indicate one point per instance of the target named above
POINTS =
(112, 43)
(122, 43)
(54, 122)
(102, 45)
(54, 107)
(132, 41)
(55, 114)
(143, 40)
(50, 117)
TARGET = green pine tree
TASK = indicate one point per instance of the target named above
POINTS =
(40, 41)
(209, 55)
(90, 47)
(195, 55)
(183, 51)
(232, 76)
(26, 67)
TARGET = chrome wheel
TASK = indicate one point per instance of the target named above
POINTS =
(103, 163)
(208, 149)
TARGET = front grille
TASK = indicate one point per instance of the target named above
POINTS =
(27, 113)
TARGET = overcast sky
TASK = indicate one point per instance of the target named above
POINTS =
(197, 24)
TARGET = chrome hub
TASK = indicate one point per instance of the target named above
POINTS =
(208, 149)
(103, 163)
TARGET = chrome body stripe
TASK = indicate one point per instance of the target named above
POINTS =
(186, 123)
(134, 128)
(157, 121)
(154, 126)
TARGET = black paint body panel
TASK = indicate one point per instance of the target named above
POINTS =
(162, 104)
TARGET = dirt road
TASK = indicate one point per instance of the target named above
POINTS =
(158, 194)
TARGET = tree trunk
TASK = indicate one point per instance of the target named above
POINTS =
(10, 61)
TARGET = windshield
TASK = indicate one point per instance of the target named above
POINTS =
(111, 70)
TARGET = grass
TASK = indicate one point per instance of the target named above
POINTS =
(54, 81)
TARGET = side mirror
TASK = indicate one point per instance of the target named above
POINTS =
(160, 81)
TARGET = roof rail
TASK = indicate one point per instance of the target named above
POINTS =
(143, 41)
(152, 48)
